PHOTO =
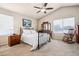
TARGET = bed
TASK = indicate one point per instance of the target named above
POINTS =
(34, 38)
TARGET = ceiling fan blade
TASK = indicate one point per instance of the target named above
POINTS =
(38, 11)
(45, 4)
(37, 7)
(45, 12)
(48, 8)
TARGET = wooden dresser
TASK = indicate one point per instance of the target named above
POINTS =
(14, 39)
(46, 27)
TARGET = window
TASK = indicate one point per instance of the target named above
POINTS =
(62, 25)
(57, 26)
(6, 24)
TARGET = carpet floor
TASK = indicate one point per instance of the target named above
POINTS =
(53, 48)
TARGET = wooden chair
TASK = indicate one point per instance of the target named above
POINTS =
(68, 37)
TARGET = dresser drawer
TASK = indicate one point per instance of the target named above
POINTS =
(13, 40)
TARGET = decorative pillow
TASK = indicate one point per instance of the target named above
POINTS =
(26, 31)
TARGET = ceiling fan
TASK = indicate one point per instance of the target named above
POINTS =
(43, 8)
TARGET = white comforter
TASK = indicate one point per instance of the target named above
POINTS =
(31, 37)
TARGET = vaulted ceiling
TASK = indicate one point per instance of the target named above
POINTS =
(29, 10)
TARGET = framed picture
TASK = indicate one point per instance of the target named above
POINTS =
(26, 23)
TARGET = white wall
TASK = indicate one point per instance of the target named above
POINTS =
(61, 13)
(17, 22)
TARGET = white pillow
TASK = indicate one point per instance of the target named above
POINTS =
(33, 31)
(25, 31)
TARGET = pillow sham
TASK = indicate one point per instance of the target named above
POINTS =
(33, 31)
(26, 31)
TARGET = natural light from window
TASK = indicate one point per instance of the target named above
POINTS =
(6, 24)
(62, 25)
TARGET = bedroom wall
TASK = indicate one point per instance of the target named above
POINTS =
(61, 13)
(17, 22)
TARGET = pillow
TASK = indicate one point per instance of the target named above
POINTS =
(26, 31)
(33, 31)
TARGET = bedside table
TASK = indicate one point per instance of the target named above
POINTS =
(14, 39)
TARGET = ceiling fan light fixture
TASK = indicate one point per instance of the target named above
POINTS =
(42, 10)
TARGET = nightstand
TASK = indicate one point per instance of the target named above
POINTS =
(14, 39)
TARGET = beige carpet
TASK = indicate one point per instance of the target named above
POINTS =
(54, 48)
